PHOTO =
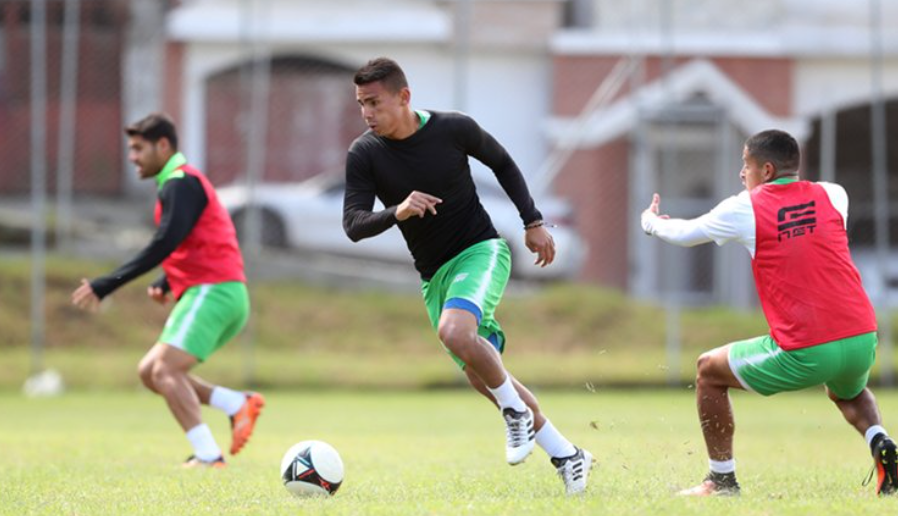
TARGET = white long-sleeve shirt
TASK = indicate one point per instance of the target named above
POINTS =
(731, 220)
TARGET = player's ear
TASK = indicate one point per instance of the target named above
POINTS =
(163, 144)
(769, 171)
(405, 96)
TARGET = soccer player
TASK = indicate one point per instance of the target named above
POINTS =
(416, 163)
(822, 325)
(203, 271)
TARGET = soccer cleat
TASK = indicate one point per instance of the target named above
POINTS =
(574, 470)
(519, 435)
(715, 484)
(885, 458)
(244, 421)
(193, 462)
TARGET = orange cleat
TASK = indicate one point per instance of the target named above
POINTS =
(193, 462)
(244, 421)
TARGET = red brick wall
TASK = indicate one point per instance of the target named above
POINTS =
(596, 180)
(312, 119)
(174, 66)
(98, 143)
(767, 80)
(597, 183)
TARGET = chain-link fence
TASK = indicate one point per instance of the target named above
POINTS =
(268, 117)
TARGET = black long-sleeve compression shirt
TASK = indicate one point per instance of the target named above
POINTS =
(433, 160)
(183, 201)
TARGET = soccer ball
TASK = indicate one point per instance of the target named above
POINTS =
(312, 468)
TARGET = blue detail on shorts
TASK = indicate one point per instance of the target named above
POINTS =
(464, 304)
(494, 340)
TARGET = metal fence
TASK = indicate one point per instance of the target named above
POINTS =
(72, 72)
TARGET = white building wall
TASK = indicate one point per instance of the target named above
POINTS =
(507, 87)
(822, 84)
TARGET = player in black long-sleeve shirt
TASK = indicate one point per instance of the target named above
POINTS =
(416, 163)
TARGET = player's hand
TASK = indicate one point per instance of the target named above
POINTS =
(417, 203)
(540, 241)
(655, 207)
(158, 295)
(84, 297)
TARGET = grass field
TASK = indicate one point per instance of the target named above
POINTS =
(434, 452)
(562, 336)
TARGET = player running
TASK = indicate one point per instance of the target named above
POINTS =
(203, 271)
(416, 163)
(822, 325)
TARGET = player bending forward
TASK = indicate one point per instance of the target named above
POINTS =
(822, 326)
(197, 246)
(416, 163)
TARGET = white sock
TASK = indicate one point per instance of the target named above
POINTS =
(872, 432)
(722, 466)
(226, 400)
(507, 396)
(204, 445)
(551, 440)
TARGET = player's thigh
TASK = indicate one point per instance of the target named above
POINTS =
(858, 355)
(237, 314)
(473, 281)
(478, 284)
(762, 366)
(479, 277)
(204, 316)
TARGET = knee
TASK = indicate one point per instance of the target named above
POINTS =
(145, 372)
(458, 339)
(704, 369)
(160, 375)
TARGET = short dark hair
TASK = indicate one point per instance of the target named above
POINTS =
(383, 70)
(776, 147)
(154, 127)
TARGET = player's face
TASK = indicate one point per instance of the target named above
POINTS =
(753, 173)
(382, 109)
(146, 155)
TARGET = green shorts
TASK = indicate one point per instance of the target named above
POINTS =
(474, 280)
(206, 317)
(842, 365)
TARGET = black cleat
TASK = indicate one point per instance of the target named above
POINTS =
(715, 484)
(885, 459)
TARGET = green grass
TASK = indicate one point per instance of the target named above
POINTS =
(430, 453)
(559, 336)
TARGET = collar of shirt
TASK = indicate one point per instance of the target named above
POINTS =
(784, 180)
(170, 169)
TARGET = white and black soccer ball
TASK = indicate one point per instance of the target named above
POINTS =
(312, 468)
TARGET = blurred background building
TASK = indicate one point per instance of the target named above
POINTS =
(600, 102)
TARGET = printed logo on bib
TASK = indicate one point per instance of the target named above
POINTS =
(796, 221)
(461, 277)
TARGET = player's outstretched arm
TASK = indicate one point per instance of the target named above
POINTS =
(686, 233)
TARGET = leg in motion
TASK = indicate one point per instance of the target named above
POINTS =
(458, 332)
(713, 380)
(862, 413)
(242, 408)
(169, 377)
(572, 464)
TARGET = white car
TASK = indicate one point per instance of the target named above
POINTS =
(308, 216)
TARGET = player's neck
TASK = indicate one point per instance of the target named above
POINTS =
(407, 126)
